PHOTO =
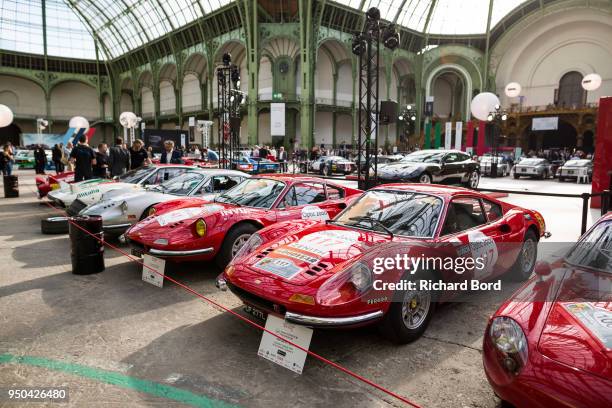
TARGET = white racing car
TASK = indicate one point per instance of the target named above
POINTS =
(120, 209)
(77, 196)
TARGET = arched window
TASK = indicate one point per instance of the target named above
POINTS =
(570, 91)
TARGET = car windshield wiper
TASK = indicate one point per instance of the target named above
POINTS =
(373, 221)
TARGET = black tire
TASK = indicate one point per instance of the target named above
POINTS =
(473, 178)
(54, 225)
(516, 176)
(425, 178)
(561, 179)
(394, 325)
(237, 232)
(525, 262)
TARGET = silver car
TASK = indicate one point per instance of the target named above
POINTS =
(572, 169)
(119, 210)
(533, 168)
(485, 166)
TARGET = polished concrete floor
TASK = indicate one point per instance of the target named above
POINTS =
(114, 340)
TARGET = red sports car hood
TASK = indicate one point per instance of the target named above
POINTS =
(318, 251)
(578, 330)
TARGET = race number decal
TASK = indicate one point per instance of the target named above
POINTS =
(483, 247)
(177, 215)
(312, 212)
(596, 320)
(323, 242)
(285, 268)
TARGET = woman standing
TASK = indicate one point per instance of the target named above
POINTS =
(7, 161)
(138, 155)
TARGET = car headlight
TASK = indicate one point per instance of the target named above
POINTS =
(124, 207)
(509, 339)
(253, 242)
(200, 227)
(345, 286)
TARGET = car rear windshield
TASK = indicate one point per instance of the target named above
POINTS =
(405, 213)
(134, 176)
(256, 192)
(594, 250)
(424, 157)
(531, 162)
(577, 163)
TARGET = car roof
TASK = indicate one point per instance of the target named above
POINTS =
(290, 178)
(428, 188)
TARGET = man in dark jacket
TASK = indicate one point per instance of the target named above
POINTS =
(118, 158)
(56, 156)
(83, 158)
(101, 168)
(170, 155)
(40, 159)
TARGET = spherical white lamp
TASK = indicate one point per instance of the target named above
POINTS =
(483, 104)
(6, 116)
(513, 89)
(128, 119)
(591, 82)
(78, 122)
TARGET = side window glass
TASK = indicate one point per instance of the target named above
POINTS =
(222, 183)
(492, 210)
(289, 199)
(308, 193)
(334, 193)
(451, 158)
(463, 214)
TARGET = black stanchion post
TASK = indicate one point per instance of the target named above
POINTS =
(585, 211)
(605, 202)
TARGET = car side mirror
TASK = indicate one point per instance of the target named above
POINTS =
(542, 269)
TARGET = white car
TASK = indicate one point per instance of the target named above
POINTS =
(77, 196)
(120, 209)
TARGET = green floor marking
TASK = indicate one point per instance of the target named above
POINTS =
(109, 377)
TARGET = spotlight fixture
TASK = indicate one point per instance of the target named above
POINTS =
(359, 44)
(390, 37)
(235, 74)
(227, 58)
(373, 14)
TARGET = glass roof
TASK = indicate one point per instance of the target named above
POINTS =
(21, 29)
(123, 25)
(452, 17)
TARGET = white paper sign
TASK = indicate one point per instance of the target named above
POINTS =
(183, 138)
(280, 352)
(448, 136)
(156, 264)
(458, 135)
(277, 119)
(191, 121)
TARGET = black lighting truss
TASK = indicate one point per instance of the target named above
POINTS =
(229, 100)
(367, 46)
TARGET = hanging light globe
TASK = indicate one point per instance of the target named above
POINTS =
(513, 89)
(6, 116)
(483, 104)
(78, 122)
(591, 82)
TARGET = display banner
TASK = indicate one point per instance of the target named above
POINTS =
(48, 139)
(458, 135)
(438, 135)
(277, 119)
(429, 103)
(480, 144)
(550, 123)
(448, 135)
(469, 135)
(427, 144)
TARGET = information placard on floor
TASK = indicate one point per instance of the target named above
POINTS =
(157, 264)
(281, 352)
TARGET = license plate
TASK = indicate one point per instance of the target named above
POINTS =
(137, 252)
(255, 312)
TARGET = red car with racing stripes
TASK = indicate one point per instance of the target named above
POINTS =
(46, 184)
(190, 229)
(343, 272)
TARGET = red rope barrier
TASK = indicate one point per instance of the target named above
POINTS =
(244, 319)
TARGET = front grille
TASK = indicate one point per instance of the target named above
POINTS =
(256, 301)
(76, 207)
